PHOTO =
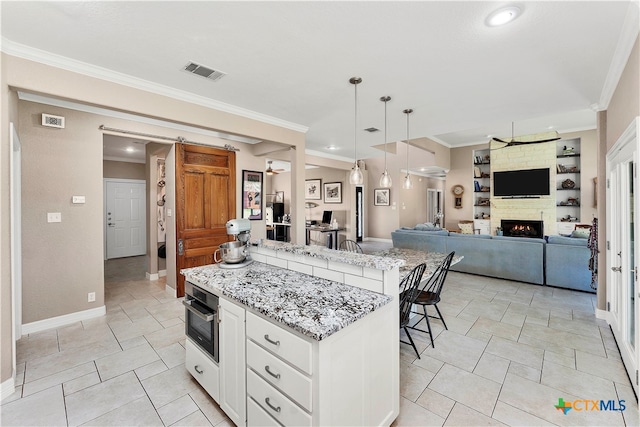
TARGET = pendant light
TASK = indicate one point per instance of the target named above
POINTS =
(355, 177)
(385, 179)
(407, 185)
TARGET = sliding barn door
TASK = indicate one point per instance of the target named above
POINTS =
(205, 201)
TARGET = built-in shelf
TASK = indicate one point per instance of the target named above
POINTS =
(564, 156)
(564, 173)
(568, 206)
(568, 189)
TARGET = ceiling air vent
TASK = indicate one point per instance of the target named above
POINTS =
(52, 121)
(202, 71)
(372, 130)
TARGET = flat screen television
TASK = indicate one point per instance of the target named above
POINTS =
(521, 183)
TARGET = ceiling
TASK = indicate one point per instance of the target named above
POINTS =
(289, 63)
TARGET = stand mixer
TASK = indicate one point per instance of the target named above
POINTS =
(235, 254)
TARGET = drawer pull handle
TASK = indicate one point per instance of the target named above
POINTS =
(198, 370)
(266, 337)
(277, 409)
(276, 376)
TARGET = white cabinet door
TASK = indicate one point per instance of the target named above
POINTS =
(233, 394)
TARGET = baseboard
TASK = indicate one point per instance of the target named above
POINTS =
(602, 314)
(66, 319)
(156, 276)
(170, 290)
(8, 387)
(376, 239)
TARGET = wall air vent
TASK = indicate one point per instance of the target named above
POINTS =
(202, 71)
(52, 121)
(372, 130)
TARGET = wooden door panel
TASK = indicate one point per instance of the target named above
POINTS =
(205, 201)
(194, 213)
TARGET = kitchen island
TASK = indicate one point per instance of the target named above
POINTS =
(308, 336)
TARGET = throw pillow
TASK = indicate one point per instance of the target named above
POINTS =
(466, 227)
(581, 233)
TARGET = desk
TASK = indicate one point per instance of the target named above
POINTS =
(279, 231)
(413, 257)
(332, 239)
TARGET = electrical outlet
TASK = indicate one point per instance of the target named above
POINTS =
(54, 217)
(91, 297)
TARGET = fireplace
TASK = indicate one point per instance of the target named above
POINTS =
(522, 228)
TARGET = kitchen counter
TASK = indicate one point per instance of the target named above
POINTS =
(321, 252)
(314, 306)
(413, 257)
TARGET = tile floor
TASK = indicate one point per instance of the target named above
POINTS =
(511, 351)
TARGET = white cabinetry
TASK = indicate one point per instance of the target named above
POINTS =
(232, 361)
(481, 184)
(203, 369)
(340, 380)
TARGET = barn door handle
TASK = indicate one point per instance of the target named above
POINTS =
(180, 247)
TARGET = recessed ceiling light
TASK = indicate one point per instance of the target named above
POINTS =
(332, 147)
(130, 149)
(503, 16)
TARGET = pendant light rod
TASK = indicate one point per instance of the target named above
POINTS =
(385, 179)
(407, 179)
(355, 177)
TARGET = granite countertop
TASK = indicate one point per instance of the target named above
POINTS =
(413, 257)
(313, 306)
(344, 257)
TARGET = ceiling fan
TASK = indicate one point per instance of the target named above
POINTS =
(270, 170)
(535, 138)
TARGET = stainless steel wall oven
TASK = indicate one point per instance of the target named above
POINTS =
(201, 318)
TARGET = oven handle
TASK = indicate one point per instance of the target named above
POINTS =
(207, 317)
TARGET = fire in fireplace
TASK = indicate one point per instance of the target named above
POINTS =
(522, 228)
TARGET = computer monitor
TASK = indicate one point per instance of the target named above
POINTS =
(326, 217)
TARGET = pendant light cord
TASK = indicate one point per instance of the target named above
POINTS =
(385, 99)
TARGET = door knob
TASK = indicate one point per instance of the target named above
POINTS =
(617, 269)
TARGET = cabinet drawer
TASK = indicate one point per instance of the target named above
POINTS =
(203, 369)
(275, 403)
(256, 416)
(279, 374)
(283, 343)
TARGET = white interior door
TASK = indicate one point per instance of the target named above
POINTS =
(622, 253)
(125, 218)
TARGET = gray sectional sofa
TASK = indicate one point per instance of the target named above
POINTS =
(561, 262)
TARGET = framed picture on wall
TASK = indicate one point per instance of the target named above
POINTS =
(333, 192)
(313, 189)
(381, 197)
(279, 197)
(252, 195)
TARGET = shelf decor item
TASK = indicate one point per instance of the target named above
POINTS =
(567, 183)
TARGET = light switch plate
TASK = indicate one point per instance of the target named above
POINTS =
(78, 199)
(54, 217)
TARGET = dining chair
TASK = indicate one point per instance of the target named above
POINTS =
(430, 295)
(408, 292)
(350, 246)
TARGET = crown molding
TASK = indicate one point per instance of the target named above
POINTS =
(628, 36)
(37, 55)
